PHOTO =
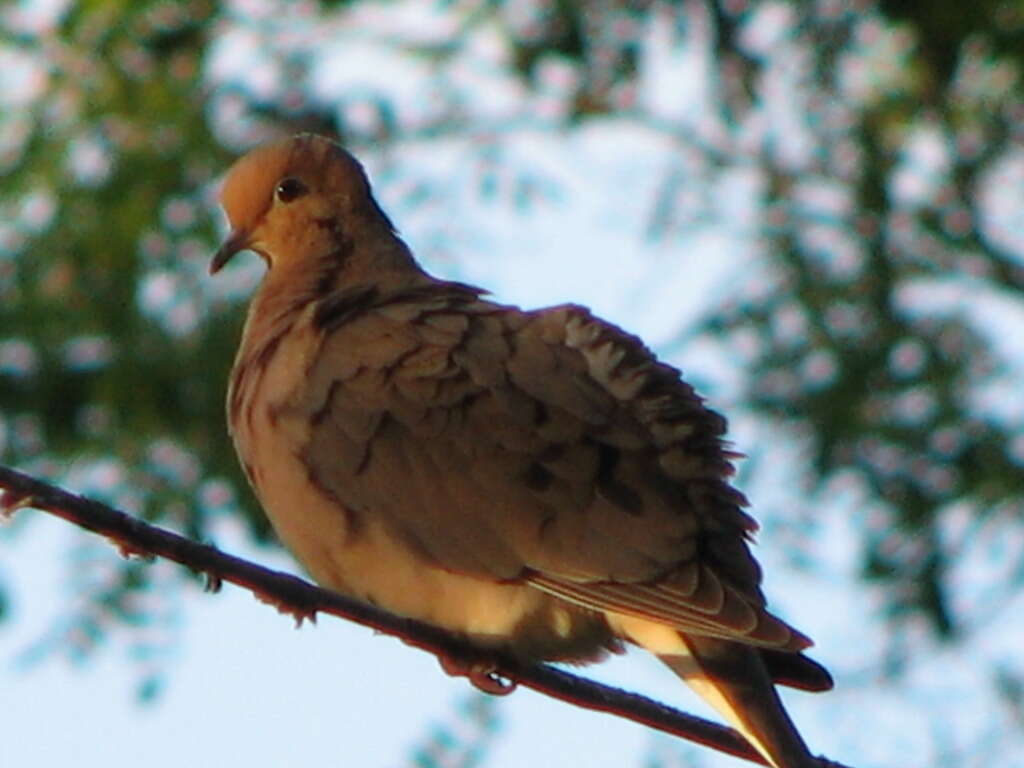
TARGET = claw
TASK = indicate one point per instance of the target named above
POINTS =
(128, 551)
(299, 614)
(212, 582)
(484, 677)
(11, 502)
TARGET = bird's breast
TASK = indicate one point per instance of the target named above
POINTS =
(353, 552)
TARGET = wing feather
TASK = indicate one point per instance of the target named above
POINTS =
(548, 447)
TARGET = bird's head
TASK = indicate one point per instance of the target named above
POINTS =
(295, 200)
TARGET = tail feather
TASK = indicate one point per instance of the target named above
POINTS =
(736, 681)
(796, 671)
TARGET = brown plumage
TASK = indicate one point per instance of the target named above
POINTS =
(536, 480)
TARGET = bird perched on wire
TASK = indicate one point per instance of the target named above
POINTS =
(534, 481)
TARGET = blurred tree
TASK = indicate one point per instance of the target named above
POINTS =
(885, 137)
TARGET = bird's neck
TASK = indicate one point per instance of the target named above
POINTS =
(381, 260)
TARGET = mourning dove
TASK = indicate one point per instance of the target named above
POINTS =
(536, 482)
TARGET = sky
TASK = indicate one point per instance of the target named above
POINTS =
(246, 683)
(243, 686)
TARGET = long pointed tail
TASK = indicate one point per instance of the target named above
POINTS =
(733, 678)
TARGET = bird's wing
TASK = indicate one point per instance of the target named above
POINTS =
(545, 446)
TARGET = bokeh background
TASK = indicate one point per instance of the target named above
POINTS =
(814, 209)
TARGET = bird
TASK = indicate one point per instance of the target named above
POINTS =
(535, 482)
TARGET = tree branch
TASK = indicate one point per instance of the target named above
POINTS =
(303, 601)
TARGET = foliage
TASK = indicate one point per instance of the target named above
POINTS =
(110, 347)
(463, 740)
(114, 349)
(859, 348)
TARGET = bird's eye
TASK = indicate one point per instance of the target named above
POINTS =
(289, 189)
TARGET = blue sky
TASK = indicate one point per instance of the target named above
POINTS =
(244, 687)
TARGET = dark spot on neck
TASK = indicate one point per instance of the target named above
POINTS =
(339, 306)
(329, 267)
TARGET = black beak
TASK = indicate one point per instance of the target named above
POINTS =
(237, 241)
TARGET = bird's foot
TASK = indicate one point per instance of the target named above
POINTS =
(11, 502)
(294, 608)
(484, 677)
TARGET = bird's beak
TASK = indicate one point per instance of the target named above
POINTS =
(237, 241)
